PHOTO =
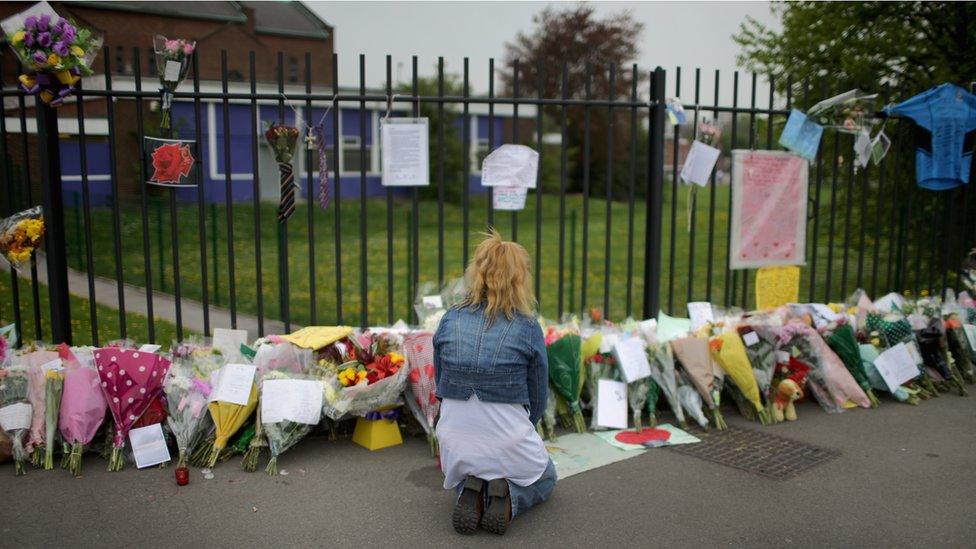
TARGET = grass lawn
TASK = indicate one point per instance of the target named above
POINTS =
(312, 268)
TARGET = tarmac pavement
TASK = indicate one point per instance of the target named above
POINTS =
(905, 478)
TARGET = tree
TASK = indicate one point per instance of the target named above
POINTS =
(586, 46)
(912, 45)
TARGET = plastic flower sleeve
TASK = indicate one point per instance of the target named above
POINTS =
(173, 58)
(662, 372)
(359, 400)
(15, 412)
(564, 372)
(421, 386)
(186, 398)
(35, 374)
(82, 404)
(290, 408)
(695, 358)
(20, 235)
(839, 382)
(730, 353)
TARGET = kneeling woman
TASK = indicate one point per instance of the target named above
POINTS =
(492, 377)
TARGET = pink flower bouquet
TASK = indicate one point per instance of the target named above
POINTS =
(82, 407)
(421, 386)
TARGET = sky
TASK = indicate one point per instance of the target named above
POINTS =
(686, 34)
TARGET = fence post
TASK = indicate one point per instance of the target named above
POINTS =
(53, 201)
(655, 186)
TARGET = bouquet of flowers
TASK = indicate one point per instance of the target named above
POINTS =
(831, 383)
(602, 366)
(760, 340)
(962, 353)
(362, 374)
(82, 404)
(695, 359)
(730, 353)
(37, 397)
(20, 235)
(131, 380)
(421, 383)
(848, 112)
(690, 400)
(893, 328)
(56, 52)
(228, 417)
(186, 397)
(934, 347)
(661, 359)
(291, 405)
(15, 411)
(842, 340)
(564, 350)
(172, 61)
(869, 353)
(282, 140)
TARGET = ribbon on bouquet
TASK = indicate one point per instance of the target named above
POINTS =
(389, 415)
(51, 87)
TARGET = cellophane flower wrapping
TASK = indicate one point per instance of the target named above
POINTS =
(15, 412)
(661, 358)
(696, 361)
(187, 398)
(601, 366)
(729, 352)
(762, 355)
(360, 374)
(203, 361)
(20, 235)
(38, 393)
(830, 382)
(82, 403)
(130, 380)
(53, 389)
(284, 432)
(228, 418)
(962, 353)
(564, 350)
(421, 397)
(842, 340)
(691, 401)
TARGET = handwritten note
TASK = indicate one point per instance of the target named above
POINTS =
(149, 445)
(611, 410)
(896, 366)
(229, 342)
(172, 71)
(632, 359)
(509, 198)
(295, 400)
(233, 383)
(801, 135)
(769, 209)
(406, 161)
(700, 313)
(699, 163)
(15, 416)
(510, 166)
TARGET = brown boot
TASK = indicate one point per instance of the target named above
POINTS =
(469, 507)
(498, 514)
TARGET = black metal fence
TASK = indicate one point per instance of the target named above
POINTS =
(634, 244)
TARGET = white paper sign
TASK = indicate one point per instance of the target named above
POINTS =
(632, 359)
(433, 302)
(234, 383)
(149, 445)
(970, 334)
(750, 339)
(406, 161)
(296, 400)
(509, 198)
(896, 366)
(611, 410)
(16, 416)
(54, 365)
(150, 348)
(229, 342)
(700, 313)
(510, 166)
(699, 163)
(172, 71)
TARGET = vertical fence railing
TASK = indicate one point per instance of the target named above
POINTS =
(861, 227)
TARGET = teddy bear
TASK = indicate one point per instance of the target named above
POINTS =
(787, 392)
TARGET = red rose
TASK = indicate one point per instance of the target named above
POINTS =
(171, 162)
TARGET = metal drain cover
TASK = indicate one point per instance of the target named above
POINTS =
(758, 453)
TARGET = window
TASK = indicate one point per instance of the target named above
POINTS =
(352, 159)
(293, 69)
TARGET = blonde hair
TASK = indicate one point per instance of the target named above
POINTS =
(499, 277)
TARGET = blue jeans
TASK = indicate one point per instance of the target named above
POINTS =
(525, 497)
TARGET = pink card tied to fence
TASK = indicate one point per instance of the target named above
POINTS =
(769, 209)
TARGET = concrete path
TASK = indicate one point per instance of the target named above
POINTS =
(164, 304)
(905, 478)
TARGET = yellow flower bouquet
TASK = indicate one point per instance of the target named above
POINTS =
(20, 235)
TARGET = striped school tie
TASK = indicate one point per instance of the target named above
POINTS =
(286, 203)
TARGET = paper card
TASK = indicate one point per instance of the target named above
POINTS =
(750, 338)
(608, 341)
(699, 163)
(295, 400)
(172, 71)
(896, 365)
(669, 327)
(632, 359)
(611, 410)
(149, 445)
(700, 313)
(862, 148)
(229, 342)
(433, 302)
(801, 135)
(15, 416)
(509, 198)
(149, 348)
(879, 147)
(234, 383)
(169, 162)
(406, 160)
(54, 365)
(510, 166)
(783, 357)
(970, 334)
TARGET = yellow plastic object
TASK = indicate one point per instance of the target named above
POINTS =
(777, 286)
(376, 434)
(316, 337)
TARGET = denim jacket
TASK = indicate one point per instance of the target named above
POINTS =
(505, 362)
